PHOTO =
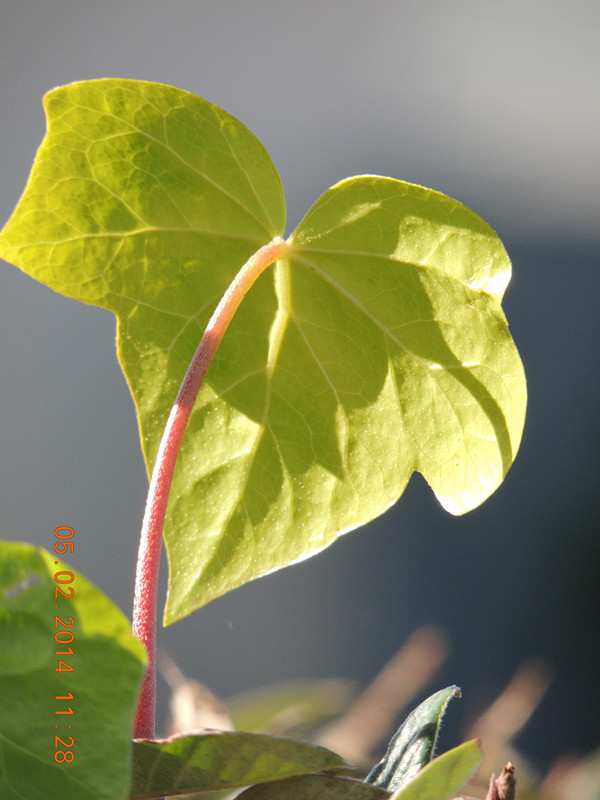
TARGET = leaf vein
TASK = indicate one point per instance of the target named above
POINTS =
(194, 169)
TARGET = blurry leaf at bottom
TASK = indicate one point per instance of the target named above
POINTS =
(214, 760)
(290, 705)
(97, 676)
(315, 787)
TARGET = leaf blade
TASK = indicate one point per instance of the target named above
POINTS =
(448, 338)
(413, 745)
(107, 669)
(345, 410)
(445, 775)
(376, 348)
(216, 760)
(315, 787)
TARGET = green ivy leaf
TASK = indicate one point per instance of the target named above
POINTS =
(216, 760)
(107, 668)
(388, 353)
(376, 348)
(397, 302)
(445, 775)
(413, 745)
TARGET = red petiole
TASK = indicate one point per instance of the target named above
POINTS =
(146, 579)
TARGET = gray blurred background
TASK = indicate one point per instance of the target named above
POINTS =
(494, 103)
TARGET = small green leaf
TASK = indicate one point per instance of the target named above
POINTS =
(107, 667)
(315, 787)
(445, 775)
(413, 745)
(215, 760)
(377, 347)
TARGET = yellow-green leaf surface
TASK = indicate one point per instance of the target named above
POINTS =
(99, 680)
(445, 775)
(376, 347)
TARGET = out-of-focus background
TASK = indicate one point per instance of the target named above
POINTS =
(494, 103)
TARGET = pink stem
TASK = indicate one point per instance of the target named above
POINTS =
(146, 579)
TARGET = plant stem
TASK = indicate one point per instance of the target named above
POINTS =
(146, 579)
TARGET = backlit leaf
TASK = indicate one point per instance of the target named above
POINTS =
(376, 347)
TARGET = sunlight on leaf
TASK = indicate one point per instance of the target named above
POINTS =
(382, 359)
(376, 348)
